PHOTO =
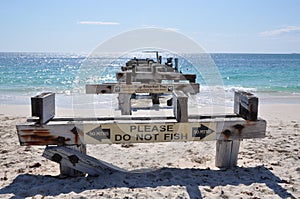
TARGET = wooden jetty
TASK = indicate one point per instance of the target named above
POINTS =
(66, 138)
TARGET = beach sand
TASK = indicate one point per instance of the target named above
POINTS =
(267, 168)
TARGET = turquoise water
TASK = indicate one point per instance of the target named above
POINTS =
(26, 74)
(262, 72)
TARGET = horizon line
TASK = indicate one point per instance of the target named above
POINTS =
(213, 52)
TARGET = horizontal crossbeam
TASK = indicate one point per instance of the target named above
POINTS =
(146, 77)
(108, 88)
(138, 131)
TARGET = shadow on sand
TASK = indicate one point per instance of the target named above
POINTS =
(27, 185)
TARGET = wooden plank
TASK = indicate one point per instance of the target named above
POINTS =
(136, 118)
(65, 169)
(139, 131)
(180, 106)
(246, 105)
(43, 106)
(230, 129)
(105, 88)
(52, 133)
(78, 161)
(227, 153)
(108, 88)
(145, 77)
(149, 68)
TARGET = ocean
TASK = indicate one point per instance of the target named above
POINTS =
(26, 74)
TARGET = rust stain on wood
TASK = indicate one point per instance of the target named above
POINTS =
(75, 132)
(227, 134)
(36, 131)
(239, 128)
(27, 130)
(41, 137)
(44, 140)
(250, 123)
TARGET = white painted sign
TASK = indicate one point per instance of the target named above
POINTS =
(145, 132)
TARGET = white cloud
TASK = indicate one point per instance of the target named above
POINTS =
(173, 29)
(166, 28)
(98, 23)
(280, 31)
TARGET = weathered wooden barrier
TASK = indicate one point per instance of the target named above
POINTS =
(70, 135)
(126, 91)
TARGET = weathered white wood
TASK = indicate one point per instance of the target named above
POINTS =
(136, 87)
(231, 129)
(52, 133)
(43, 106)
(227, 153)
(128, 78)
(65, 169)
(146, 77)
(125, 103)
(67, 132)
(80, 162)
(180, 106)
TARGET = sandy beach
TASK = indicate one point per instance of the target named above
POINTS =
(267, 168)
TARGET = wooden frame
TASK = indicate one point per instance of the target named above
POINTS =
(75, 133)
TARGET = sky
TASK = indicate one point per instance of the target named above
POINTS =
(79, 26)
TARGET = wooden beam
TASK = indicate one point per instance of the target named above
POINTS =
(134, 87)
(134, 118)
(78, 161)
(64, 166)
(52, 133)
(146, 77)
(139, 131)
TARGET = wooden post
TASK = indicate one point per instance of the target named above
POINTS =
(176, 64)
(66, 170)
(155, 98)
(246, 105)
(180, 106)
(43, 106)
(125, 103)
(128, 78)
(154, 69)
(227, 153)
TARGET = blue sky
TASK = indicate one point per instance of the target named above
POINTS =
(271, 26)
